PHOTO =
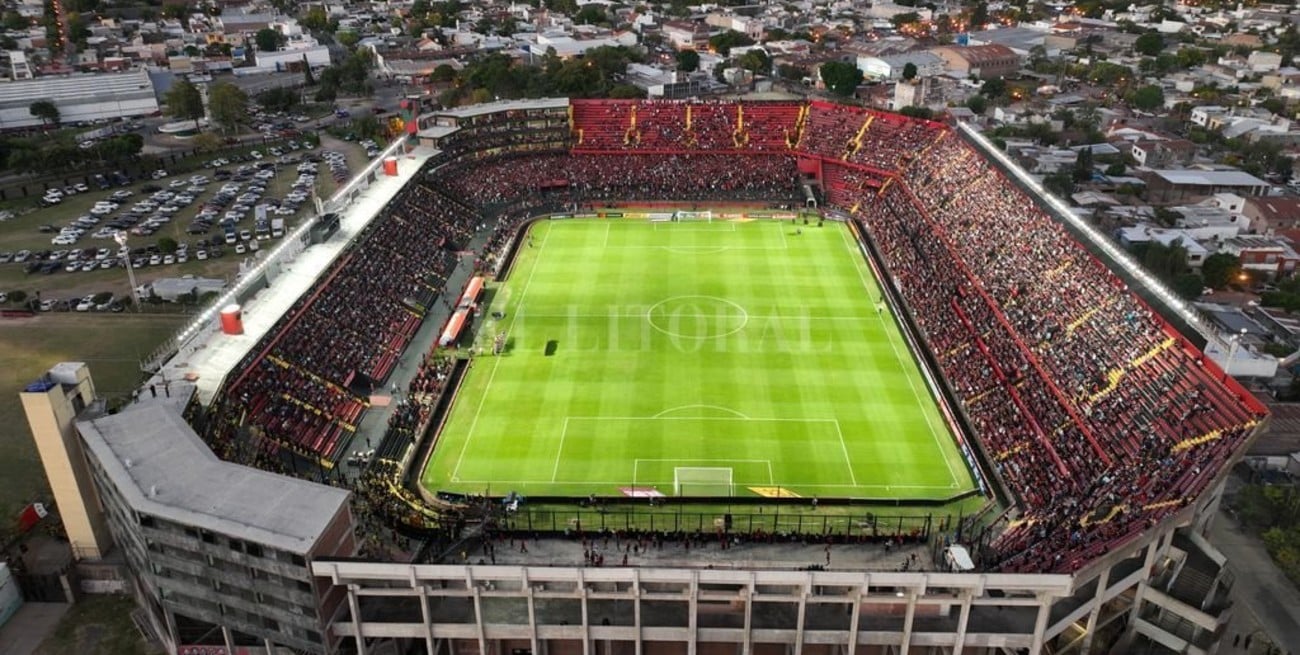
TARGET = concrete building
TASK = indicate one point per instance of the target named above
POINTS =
(89, 97)
(685, 35)
(51, 404)
(890, 67)
(1269, 215)
(982, 61)
(209, 545)
(1271, 257)
(1167, 186)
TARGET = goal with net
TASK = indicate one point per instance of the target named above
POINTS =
(702, 481)
(698, 216)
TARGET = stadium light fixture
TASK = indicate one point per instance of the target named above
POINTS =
(1102, 242)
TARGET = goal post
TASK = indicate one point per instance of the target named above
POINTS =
(702, 481)
(705, 216)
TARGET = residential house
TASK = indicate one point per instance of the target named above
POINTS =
(982, 61)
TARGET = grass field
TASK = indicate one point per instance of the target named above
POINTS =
(111, 344)
(699, 359)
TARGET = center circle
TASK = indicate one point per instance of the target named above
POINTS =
(697, 317)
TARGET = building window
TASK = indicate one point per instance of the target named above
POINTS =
(147, 521)
(253, 549)
(209, 538)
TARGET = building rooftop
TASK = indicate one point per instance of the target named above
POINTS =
(490, 107)
(1210, 178)
(161, 467)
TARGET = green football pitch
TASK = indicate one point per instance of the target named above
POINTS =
(695, 359)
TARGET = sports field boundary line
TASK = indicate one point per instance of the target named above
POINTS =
(496, 364)
(698, 406)
(770, 317)
(857, 253)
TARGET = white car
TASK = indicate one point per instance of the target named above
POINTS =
(63, 240)
(155, 260)
(169, 259)
(176, 184)
(85, 305)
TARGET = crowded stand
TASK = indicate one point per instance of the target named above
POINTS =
(1095, 414)
(679, 126)
(582, 178)
(299, 395)
(1091, 408)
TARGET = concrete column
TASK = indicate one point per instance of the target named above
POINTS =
(1040, 624)
(586, 622)
(853, 620)
(532, 620)
(355, 608)
(427, 615)
(798, 626)
(478, 620)
(907, 622)
(747, 640)
(228, 639)
(693, 614)
(963, 620)
(1103, 581)
(636, 609)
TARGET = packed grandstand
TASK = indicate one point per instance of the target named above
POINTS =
(1096, 416)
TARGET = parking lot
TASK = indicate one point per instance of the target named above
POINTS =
(199, 224)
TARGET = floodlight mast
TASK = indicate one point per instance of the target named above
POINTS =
(120, 237)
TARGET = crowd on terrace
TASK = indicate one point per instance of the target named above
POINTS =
(582, 178)
(307, 383)
(1094, 412)
(1095, 415)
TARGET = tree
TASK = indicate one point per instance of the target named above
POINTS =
(14, 22)
(1189, 286)
(1149, 44)
(755, 60)
(228, 104)
(317, 20)
(268, 40)
(688, 60)
(899, 20)
(979, 15)
(1148, 97)
(1083, 165)
(167, 244)
(347, 39)
(17, 296)
(977, 103)
(206, 142)
(993, 88)
(1116, 169)
(184, 101)
(308, 77)
(278, 99)
(840, 78)
(46, 111)
(909, 71)
(443, 73)
(723, 43)
(1219, 269)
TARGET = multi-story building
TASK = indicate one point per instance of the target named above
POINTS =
(210, 546)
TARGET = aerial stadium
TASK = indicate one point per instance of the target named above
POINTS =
(612, 375)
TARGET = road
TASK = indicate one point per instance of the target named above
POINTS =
(1260, 585)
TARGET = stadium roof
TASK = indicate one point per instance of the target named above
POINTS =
(490, 107)
(1210, 178)
(161, 467)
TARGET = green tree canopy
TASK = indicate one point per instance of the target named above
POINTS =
(268, 40)
(46, 111)
(1220, 269)
(723, 43)
(909, 71)
(688, 60)
(841, 78)
(184, 101)
(1149, 44)
(228, 104)
(1148, 97)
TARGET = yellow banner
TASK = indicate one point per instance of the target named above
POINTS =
(774, 492)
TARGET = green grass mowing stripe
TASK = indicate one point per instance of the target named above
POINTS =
(739, 318)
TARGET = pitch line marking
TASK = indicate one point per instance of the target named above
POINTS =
(496, 364)
(717, 407)
(564, 432)
(771, 317)
(499, 481)
(701, 418)
(897, 356)
(848, 461)
(636, 465)
(650, 319)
